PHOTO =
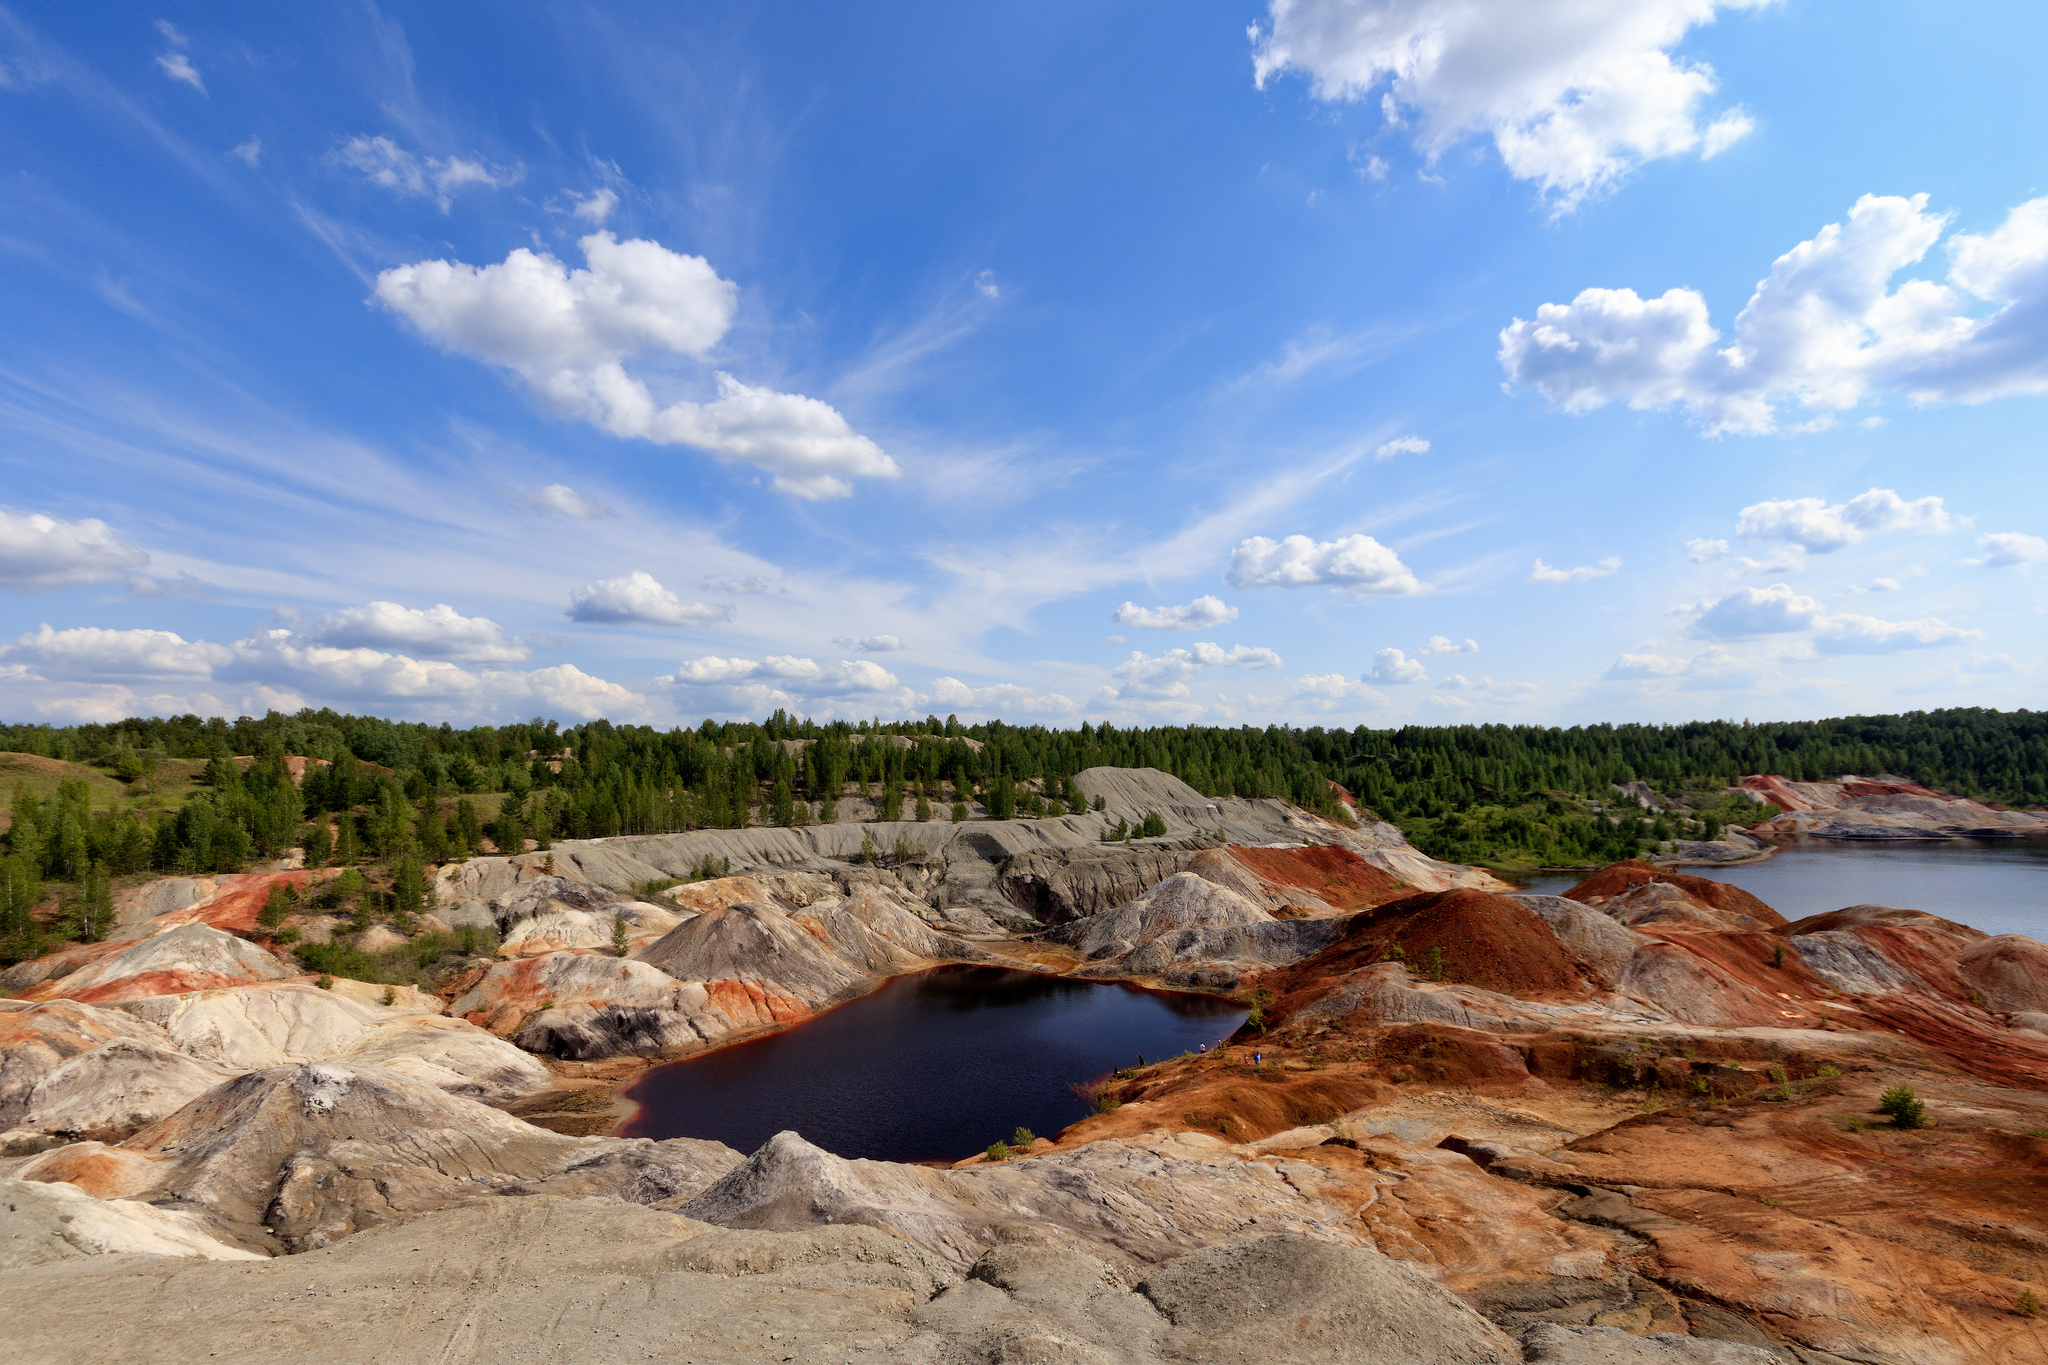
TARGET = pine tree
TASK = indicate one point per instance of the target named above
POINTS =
(408, 886)
(345, 852)
(619, 944)
(469, 833)
(318, 843)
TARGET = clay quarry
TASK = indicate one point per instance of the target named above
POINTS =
(1646, 1120)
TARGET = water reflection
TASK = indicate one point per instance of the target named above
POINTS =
(931, 1067)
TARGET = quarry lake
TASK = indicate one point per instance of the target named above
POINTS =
(2000, 887)
(933, 1066)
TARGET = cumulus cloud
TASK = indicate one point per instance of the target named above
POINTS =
(1818, 527)
(1402, 445)
(1748, 612)
(1203, 613)
(250, 152)
(439, 632)
(563, 500)
(1851, 634)
(598, 207)
(1356, 564)
(1444, 644)
(1166, 675)
(791, 674)
(1393, 666)
(1704, 551)
(1824, 329)
(287, 670)
(1584, 573)
(567, 333)
(1779, 610)
(90, 654)
(2008, 550)
(871, 644)
(1710, 669)
(1572, 96)
(38, 553)
(389, 165)
(637, 598)
(1334, 687)
(1002, 699)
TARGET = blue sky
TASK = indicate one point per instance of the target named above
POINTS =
(1326, 361)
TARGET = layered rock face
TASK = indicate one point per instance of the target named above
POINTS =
(1883, 808)
(1634, 1123)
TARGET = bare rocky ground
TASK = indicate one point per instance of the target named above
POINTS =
(1637, 1123)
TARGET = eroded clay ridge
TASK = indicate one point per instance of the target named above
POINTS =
(1639, 1122)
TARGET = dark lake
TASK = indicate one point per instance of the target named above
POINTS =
(931, 1067)
(1999, 886)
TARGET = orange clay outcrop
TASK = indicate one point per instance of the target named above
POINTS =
(1637, 1123)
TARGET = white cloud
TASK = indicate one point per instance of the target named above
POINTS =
(568, 332)
(1001, 700)
(1334, 687)
(1704, 551)
(1823, 329)
(2007, 550)
(1818, 527)
(598, 207)
(562, 499)
(1166, 676)
(1444, 644)
(172, 33)
(1393, 666)
(1237, 656)
(391, 166)
(1402, 445)
(1885, 585)
(38, 552)
(1787, 559)
(1990, 664)
(871, 644)
(1850, 634)
(638, 598)
(790, 674)
(1201, 614)
(1357, 564)
(251, 151)
(1755, 611)
(439, 632)
(1584, 573)
(281, 669)
(748, 586)
(179, 67)
(985, 285)
(91, 654)
(1573, 96)
(1710, 669)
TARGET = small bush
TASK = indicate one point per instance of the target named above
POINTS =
(390, 997)
(1023, 1138)
(2030, 1303)
(998, 1151)
(325, 983)
(1907, 1109)
(959, 812)
(334, 959)
(1828, 1072)
(1777, 954)
(1852, 1123)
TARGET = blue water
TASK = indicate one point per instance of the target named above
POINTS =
(934, 1066)
(2000, 887)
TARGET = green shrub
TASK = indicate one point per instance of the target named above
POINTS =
(1907, 1110)
(2030, 1303)
(998, 1151)
(334, 959)
(1023, 1138)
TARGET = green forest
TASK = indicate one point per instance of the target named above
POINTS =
(398, 795)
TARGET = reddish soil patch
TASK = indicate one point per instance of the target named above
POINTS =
(1484, 940)
(1226, 1095)
(1617, 878)
(1337, 875)
(1852, 790)
(1980, 1049)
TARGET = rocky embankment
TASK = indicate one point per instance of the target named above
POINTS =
(1884, 808)
(1635, 1123)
